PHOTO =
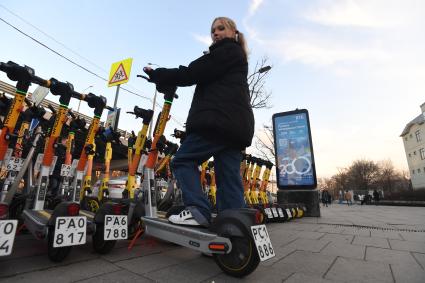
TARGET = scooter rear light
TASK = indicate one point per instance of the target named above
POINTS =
(218, 247)
(73, 209)
(259, 217)
(116, 208)
(4, 209)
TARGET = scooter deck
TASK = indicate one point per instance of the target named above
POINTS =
(36, 221)
(197, 238)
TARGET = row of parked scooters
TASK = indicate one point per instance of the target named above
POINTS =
(237, 239)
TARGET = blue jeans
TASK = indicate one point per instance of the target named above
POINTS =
(195, 150)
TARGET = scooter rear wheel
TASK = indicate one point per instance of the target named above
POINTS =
(56, 254)
(100, 245)
(90, 205)
(243, 258)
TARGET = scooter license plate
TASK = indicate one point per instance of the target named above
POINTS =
(70, 231)
(269, 213)
(116, 227)
(66, 170)
(289, 213)
(15, 164)
(274, 212)
(262, 242)
(7, 236)
(280, 211)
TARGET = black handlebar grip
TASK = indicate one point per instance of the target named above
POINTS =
(3, 66)
(40, 81)
(77, 95)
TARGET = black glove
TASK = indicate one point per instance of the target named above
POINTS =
(154, 78)
(151, 73)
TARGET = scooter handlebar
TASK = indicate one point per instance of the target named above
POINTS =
(16, 72)
(40, 81)
(169, 91)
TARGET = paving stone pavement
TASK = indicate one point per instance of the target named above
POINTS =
(347, 244)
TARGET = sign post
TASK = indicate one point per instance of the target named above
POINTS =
(119, 74)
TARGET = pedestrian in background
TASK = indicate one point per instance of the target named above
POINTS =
(376, 197)
(325, 198)
(347, 197)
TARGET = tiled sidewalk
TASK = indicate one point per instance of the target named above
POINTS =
(347, 244)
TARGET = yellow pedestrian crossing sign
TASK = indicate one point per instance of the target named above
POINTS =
(120, 72)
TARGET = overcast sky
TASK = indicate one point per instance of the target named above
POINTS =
(358, 66)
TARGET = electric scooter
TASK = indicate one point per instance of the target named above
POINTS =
(63, 227)
(91, 202)
(95, 221)
(129, 207)
(13, 193)
(229, 238)
(15, 163)
(24, 76)
(67, 171)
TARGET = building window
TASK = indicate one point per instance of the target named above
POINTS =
(422, 152)
(418, 136)
(413, 171)
(414, 153)
(419, 170)
(410, 155)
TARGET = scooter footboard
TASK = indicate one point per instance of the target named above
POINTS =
(200, 239)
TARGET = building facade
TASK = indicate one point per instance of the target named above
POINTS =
(413, 137)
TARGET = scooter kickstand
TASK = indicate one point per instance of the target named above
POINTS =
(139, 233)
(20, 228)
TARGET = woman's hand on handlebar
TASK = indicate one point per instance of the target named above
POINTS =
(170, 89)
(148, 71)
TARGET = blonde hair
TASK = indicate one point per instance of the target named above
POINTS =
(239, 37)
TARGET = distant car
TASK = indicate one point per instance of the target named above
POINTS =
(116, 186)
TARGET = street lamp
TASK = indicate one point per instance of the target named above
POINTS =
(79, 102)
(261, 70)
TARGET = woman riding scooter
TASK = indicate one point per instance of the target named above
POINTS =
(220, 122)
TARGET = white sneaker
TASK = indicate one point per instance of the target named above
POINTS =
(184, 218)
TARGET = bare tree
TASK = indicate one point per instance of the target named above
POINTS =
(387, 176)
(340, 181)
(258, 94)
(363, 175)
(264, 143)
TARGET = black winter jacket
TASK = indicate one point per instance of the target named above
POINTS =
(220, 109)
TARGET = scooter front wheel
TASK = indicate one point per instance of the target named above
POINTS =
(100, 245)
(242, 259)
(56, 254)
